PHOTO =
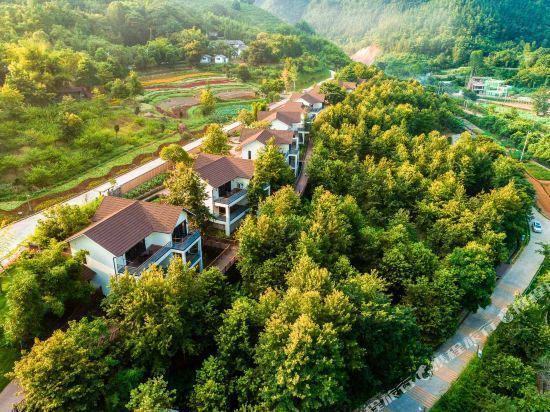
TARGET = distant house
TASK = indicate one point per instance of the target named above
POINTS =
(349, 86)
(227, 179)
(312, 99)
(487, 86)
(290, 116)
(130, 235)
(221, 59)
(206, 59)
(77, 92)
(253, 140)
(238, 45)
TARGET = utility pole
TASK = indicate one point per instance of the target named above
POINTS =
(524, 146)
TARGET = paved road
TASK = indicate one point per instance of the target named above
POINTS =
(515, 280)
(9, 397)
(19, 231)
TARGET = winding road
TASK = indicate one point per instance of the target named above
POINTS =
(517, 277)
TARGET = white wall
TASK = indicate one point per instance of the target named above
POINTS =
(253, 147)
(240, 180)
(278, 125)
(159, 239)
(98, 259)
(212, 194)
(256, 146)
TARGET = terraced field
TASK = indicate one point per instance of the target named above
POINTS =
(175, 94)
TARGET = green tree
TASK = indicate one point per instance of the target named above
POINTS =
(186, 189)
(119, 89)
(152, 396)
(303, 363)
(540, 102)
(161, 313)
(330, 233)
(194, 43)
(207, 101)
(176, 154)
(11, 103)
(333, 92)
(42, 284)
(215, 141)
(270, 169)
(507, 375)
(437, 305)
(133, 84)
(68, 370)
(71, 126)
(63, 221)
(474, 273)
(243, 72)
(476, 62)
(267, 242)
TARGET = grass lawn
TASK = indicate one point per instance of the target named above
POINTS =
(223, 113)
(538, 172)
(306, 80)
(522, 113)
(95, 172)
(8, 353)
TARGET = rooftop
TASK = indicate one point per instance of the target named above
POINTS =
(263, 135)
(218, 170)
(119, 224)
(311, 97)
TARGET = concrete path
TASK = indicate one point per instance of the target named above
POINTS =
(454, 355)
(16, 233)
(301, 183)
(9, 397)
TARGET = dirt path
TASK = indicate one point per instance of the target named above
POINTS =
(516, 105)
(188, 85)
(543, 194)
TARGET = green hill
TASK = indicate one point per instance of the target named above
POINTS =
(448, 29)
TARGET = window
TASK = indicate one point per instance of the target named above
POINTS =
(249, 155)
(180, 232)
(136, 251)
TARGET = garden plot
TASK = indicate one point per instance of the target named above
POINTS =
(176, 95)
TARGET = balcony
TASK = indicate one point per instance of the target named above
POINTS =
(293, 152)
(231, 197)
(156, 254)
(235, 214)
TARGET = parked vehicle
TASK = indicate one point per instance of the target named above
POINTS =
(537, 227)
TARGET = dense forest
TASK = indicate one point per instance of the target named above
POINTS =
(434, 33)
(336, 297)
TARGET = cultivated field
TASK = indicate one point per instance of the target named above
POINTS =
(176, 94)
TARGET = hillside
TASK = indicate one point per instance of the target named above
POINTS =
(54, 49)
(447, 29)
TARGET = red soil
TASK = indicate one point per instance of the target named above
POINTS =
(187, 85)
(542, 187)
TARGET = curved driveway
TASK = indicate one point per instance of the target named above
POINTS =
(451, 362)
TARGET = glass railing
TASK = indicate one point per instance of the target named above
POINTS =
(182, 246)
(235, 197)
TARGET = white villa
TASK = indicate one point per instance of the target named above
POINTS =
(290, 116)
(314, 100)
(227, 179)
(238, 45)
(221, 59)
(253, 140)
(129, 236)
(487, 86)
(206, 59)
